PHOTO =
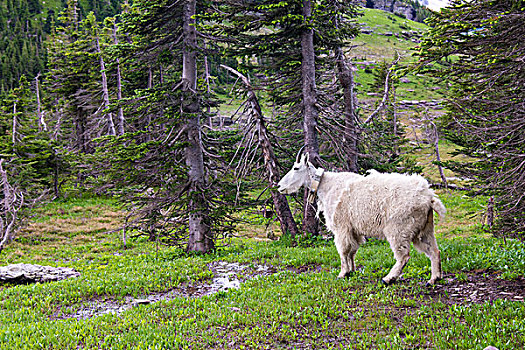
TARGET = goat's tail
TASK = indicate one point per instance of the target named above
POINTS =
(438, 207)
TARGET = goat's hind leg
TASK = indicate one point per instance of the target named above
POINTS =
(427, 245)
(401, 248)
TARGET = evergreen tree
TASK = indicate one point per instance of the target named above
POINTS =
(477, 49)
(161, 160)
(75, 49)
(282, 41)
(22, 145)
(21, 42)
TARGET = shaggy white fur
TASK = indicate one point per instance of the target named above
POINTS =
(395, 207)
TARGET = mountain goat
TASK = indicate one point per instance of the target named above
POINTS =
(395, 207)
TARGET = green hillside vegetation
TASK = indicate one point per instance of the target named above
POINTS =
(130, 172)
(383, 35)
(24, 29)
(300, 303)
(375, 45)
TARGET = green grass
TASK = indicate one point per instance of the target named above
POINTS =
(376, 48)
(284, 310)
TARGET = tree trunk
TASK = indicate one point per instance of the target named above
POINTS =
(80, 131)
(120, 112)
(280, 203)
(438, 155)
(310, 222)
(14, 124)
(200, 234)
(350, 138)
(41, 122)
(105, 91)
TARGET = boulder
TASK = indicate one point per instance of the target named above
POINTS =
(28, 273)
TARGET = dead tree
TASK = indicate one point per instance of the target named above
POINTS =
(120, 112)
(438, 156)
(280, 202)
(351, 133)
(10, 205)
(341, 128)
(105, 91)
(42, 126)
(433, 135)
(15, 122)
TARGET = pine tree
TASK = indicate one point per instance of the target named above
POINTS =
(287, 38)
(177, 200)
(21, 43)
(476, 48)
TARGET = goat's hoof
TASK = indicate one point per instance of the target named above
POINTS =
(388, 282)
(432, 282)
(345, 274)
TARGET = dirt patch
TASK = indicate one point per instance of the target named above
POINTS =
(309, 268)
(226, 276)
(477, 287)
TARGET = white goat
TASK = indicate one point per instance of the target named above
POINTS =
(394, 207)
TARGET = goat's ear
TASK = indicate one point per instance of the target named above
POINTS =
(306, 158)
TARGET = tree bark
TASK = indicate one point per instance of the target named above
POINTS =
(200, 234)
(280, 203)
(310, 113)
(351, 133)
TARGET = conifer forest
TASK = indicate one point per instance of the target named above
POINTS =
(143, 144)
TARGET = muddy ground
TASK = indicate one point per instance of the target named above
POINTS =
(462, 288)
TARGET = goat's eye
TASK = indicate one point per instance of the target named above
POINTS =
(295, 168)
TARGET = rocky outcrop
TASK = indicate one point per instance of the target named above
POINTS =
(435, 104)
(27, 273)
(400, 7)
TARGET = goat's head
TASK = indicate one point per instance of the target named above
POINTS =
(298, 176)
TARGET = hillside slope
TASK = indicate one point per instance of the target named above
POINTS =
(382, 35)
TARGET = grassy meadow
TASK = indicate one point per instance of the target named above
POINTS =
(301, 304)
(297, 303)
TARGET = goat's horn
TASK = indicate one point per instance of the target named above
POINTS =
(299, 154)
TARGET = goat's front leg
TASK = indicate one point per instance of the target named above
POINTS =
(346, 251)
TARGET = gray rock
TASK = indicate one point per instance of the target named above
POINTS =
(28, 273)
